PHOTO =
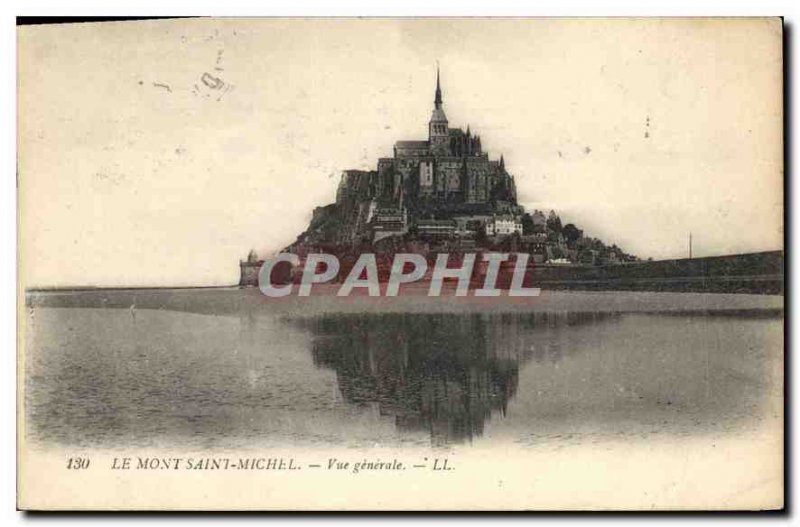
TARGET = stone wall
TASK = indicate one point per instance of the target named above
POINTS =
(752, 273)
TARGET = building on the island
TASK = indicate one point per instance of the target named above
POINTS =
(503, 226)
(435, 229)
(248, 269)
(471, 223)
(467, 242)
(534, 241)
(387, 221)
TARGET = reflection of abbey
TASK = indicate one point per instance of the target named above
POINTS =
(444, 374)
(441, 186)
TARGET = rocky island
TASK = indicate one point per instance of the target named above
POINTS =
(446, 195)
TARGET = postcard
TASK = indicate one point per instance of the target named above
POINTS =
(423, 264)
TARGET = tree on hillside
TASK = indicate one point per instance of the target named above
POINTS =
(527, 224)
(553, 222)
(571, 233)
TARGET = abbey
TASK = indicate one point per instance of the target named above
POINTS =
(447, 177)
(449, 167)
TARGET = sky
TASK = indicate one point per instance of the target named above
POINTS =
(158, 153)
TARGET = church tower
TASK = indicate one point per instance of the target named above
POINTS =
(438, 134)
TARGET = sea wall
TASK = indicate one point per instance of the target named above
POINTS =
(753, 273)
(758, 273)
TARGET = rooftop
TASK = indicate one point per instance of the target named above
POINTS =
(412, 144)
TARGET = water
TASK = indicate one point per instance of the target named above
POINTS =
(117, 377)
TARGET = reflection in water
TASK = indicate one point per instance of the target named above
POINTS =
(252, 378)
(445, 374)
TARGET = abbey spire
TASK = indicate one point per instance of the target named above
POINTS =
(438, 130)
(437, 101)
